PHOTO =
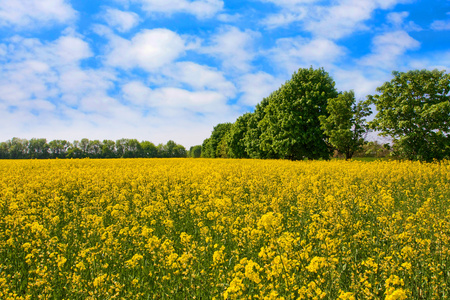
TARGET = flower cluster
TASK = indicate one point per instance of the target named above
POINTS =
(224, 229)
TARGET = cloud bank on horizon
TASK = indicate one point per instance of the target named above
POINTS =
(162, 70)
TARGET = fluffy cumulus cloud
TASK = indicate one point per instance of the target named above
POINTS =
(345, 17)
(290, 11)
(398, 21)
(292, 53)
(256, 86)
(199, 8)
(33, 70)
(387, 48)
(333, 20)
(148, 49)
(28, 14)
(199, 77)
(234, 47)
(363, 83)
(45, 85)
(123, 21)
(170, 101)
(441, 24)
(171, 111)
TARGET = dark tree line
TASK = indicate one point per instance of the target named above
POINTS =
(307, 118)
(39, 148)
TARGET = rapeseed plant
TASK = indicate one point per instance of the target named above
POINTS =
(224, 229)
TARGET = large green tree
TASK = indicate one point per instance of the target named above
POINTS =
(252, 138)
(148, 149)
(414, 109)
(236, 135)
(210, 146)
(195, 151)
(290, 127)
(346, 125)
(38, 148)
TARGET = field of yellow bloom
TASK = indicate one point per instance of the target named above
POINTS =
(224, 229)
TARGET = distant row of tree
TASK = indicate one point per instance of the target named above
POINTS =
(17, 148)
(308, 118)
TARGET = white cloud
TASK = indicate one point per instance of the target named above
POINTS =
(290, 3)
(334, 21)
(362, 83)
(284, 18)
(66, 50)
(200, 77)
(34, 68)
(138, 94)
(387, 48)
(397, 20)
(342, 19)
(149, 49)
(47, 93)
(174, 99)
(199, 8)
(43, 78)
(123, 21)
(255, 87)
(292, 53)
(229, 18)
(201, 101)
(76, 83)
(174, 113)
(433, 60)
(291, 11)
(35, 13)
(235, 48)
(69, 50)
(440, 25)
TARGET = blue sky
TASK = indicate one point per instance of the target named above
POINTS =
(172, 69)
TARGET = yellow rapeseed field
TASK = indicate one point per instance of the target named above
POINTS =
(224, 229)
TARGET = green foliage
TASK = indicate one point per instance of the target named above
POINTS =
(252, 137)
(374, 149)
(346, 124)
(38, 148)
(108, 149)
(236, 135)
(17, 147)
(210, 147)
(126, 148)
(195, 151)
(207, 150)
(290, 127)
(414, 109)
(58, 148)
(148, 149)
(284, 125)
(172, 149)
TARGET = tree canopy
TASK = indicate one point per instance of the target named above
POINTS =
(124, 148)
(291, 126)
(284, 125)
(414, 109)
(346, 126)
(307, 118)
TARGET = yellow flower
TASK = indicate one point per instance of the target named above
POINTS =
(61, 260)
(134, 261)
(346, 296)
(399, 294)
(98, 281)
(252, 271)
